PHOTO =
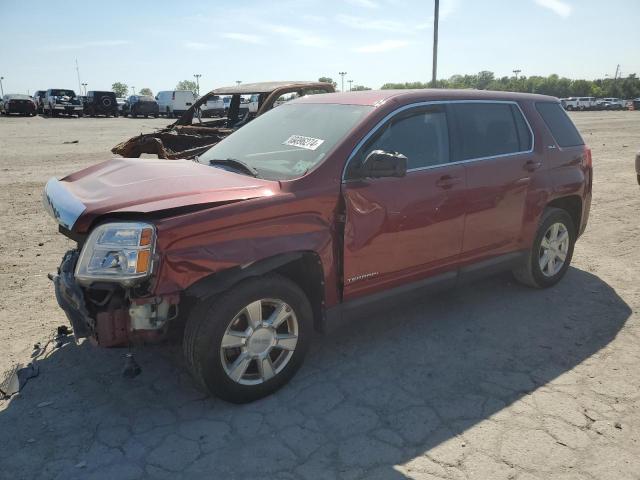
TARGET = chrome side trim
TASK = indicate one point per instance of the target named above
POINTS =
(61, 204)
(440, 102)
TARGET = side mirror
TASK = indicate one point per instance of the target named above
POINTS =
(380, 164)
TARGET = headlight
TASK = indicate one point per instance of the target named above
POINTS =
(117, 252)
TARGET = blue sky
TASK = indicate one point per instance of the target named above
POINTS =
(156, 44)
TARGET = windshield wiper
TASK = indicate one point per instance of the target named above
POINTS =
(236, 165)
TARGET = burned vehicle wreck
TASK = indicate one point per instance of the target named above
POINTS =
(191, 134)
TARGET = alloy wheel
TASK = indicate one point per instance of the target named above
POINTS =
(554, 247)
(259, 341)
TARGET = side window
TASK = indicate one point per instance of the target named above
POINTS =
(486, 130)
(561, 126)
(420, 135)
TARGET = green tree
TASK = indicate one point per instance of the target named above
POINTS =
(120, 89)
(484, 79)
(553, 85)
(146, 91)
(187, 85)
(359, 88)
(328, 80)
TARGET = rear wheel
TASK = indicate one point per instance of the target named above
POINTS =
(249, 341)
(550, 256)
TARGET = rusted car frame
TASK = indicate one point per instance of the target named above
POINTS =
(190, 135)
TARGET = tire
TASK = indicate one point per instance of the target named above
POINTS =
(80, 115)
(210, 319)
(531, 273)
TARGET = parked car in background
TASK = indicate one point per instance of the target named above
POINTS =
(101, 103)
(17, 103)
(144, 105)
(323, 207)
(190, 135)
(611, 103)
(62, 101)
(123, 106)
(174, 103)
(252, 103)
(579, 103)
(636, 104)
(586, 103)
(216, 106)
(38, 99)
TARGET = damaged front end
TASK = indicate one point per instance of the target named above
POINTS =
(111, 313)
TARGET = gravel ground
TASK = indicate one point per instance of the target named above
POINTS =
(490, 381)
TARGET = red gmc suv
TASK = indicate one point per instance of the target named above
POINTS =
(318, 209)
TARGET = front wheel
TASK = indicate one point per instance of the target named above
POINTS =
(248, 342)
(550, 256)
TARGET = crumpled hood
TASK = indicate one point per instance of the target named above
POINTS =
(143, 186)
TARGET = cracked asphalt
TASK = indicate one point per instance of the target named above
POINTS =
(489, 381)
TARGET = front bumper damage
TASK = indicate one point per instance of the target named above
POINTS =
(108, 314)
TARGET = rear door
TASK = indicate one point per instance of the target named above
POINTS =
(403, 229)
(495, 144)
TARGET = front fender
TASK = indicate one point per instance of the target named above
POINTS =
(193, 247)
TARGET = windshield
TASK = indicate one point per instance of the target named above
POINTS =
(18, 96)
(63, 93)
(286, 142)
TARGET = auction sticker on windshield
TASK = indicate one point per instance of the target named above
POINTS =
(309, 143)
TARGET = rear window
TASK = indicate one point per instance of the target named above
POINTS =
(489, 129)
(560, 125)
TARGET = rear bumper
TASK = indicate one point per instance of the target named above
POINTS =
(145, 109)
(20, 108)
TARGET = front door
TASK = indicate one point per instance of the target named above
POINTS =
(399, 230)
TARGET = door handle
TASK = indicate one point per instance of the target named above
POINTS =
(531, 165)
(447, 181)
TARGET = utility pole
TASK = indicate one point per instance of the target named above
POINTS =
(434, 69)
(1, 89)
(85, 89)
(342, 74)
(197, 75)
(134, 89)
(78, 72)
(350, 84)
(516, 72)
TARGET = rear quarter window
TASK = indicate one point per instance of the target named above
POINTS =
(489, 129)
(562, 128)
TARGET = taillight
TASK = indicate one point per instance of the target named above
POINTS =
(586, 158)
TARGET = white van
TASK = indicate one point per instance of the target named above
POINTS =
(174, 103)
